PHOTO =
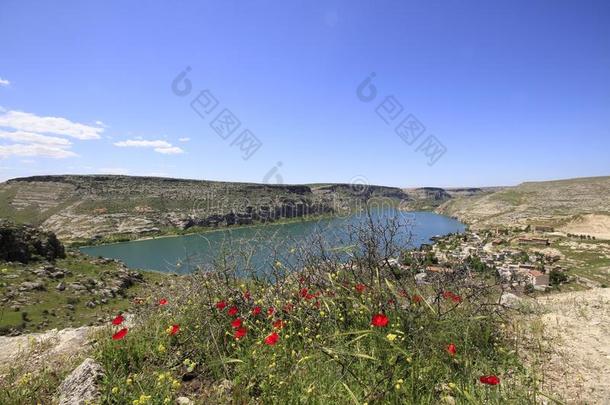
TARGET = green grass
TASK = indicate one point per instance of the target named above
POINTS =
(327, 352)
(50, 305)
(591, 264)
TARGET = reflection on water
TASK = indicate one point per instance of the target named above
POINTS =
(256, 245)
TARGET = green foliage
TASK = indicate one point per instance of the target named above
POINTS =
(557, 277)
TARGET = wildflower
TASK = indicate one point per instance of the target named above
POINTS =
(270, 311)
(247, 295)
(360, 288)
(221, 305)
(129, 381)
(303, 293)
(240, 333)
(236, 323)
(272, 339)
(417, 299)
(451, 349)
(118, 320)
(115, 390)
(233, 311)
(176, 384)
(120, 334)
(288, 307)
(489, 379)
(456, 298)
(379, 320)
(391, 337)
(279, 324)
(172, 330)
(163, 301)
(447, 295)
(256, 310)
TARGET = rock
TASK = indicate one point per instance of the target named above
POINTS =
(61, 286)
(31, 285)
(82, 385)
(183, 401)
(24, 243)
(77, 287)
(91, 304)
(510, 300)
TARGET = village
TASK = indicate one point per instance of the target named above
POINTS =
(521, 259)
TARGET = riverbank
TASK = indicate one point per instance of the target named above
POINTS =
(174, 232)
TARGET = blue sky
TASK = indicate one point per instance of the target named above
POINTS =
(513, 91)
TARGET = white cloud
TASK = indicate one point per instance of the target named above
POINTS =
(184, 139)
(158, 146)
(35, 150)
(30, 137)
(173, 150)
(4, 82)
(23, 121)
(137, 143)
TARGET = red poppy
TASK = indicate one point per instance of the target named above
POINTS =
(120, 334)
(118, 320)
(403, 294)
(256, 310)
(451, 349)
(174, 329)
(391, 302)
(317, 304)
(456, 298)
(303, 293)
(447, 295)
(490, 379)
(270, 311)
(379, 320)
(163, 301)
(279, 324)
(417, 299)
(247, 295)
(236, 323)
(287, 307)
(360, 288)
(221, 305)
(240, 333)
(233, 311)
(272, 339)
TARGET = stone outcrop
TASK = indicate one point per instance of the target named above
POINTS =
(23, 243)
(82, 385)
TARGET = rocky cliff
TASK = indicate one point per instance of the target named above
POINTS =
(22, 243)
(86, 207)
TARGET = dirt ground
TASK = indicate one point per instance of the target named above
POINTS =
(591, 224)
(574, 332)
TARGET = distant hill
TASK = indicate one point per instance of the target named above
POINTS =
(93, 206)
(580, 205)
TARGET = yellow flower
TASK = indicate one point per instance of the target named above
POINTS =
(176, 384)
(391, 337)
(129, 381)
(161, 348)
(115, 390)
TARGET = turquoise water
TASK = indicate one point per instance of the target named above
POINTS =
(260, 246)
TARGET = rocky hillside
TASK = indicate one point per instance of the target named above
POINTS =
(87, 207)
(22, 243)
(579, 206)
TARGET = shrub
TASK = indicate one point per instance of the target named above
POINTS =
(318, 327)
